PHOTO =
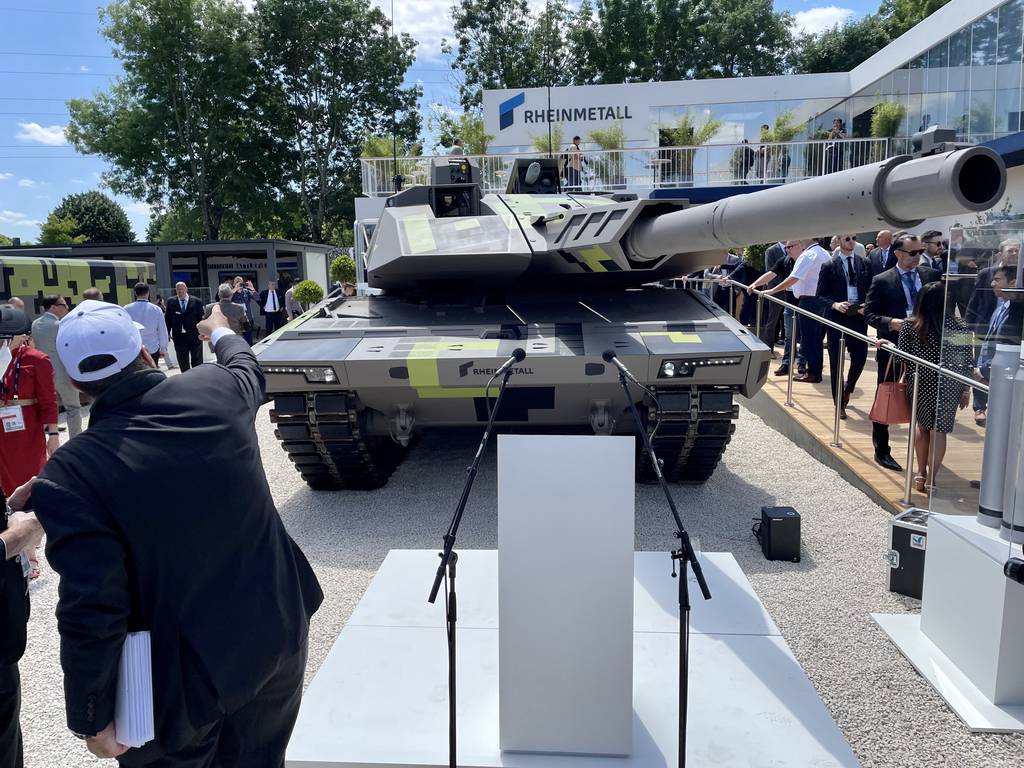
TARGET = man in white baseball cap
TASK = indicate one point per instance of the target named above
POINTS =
(224, 592)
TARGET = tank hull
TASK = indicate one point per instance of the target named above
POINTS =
(399, 369)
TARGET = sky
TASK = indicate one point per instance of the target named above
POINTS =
(52, 51)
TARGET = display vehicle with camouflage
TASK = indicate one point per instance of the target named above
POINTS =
(466, 278)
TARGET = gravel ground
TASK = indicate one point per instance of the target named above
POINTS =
(889, 714)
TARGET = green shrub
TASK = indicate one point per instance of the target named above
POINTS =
(754, 255)
(343, 269)
(308, 293)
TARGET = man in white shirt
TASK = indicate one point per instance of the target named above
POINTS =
(149, 316)
(803, 282)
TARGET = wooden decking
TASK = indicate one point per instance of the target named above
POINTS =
(813, 414)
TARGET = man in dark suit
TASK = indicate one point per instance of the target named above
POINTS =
(212, 575)
(889, 303)
(183, 313)
(272, 307)
(882, 257)
(983, 299)
(771, 311)
(843, 286)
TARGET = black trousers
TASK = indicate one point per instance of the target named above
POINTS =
(880, 432)
(274, 321)
(771, 313)
(190, 353)
(855, 348)
(255, 736)
(11, 751)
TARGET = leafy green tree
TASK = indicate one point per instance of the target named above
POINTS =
(686, 133)
(842, 47)
(673, 40)
(99, 218)
(343, 269)
(467, 126)
(181, 125)
(624, 40)
(886, 119)
(5, 241)
(741, 38)
(335, 73)
(901, 15)
(308, 292)
(59, 230)
(540, 141)
(548, 52)
(581, 39)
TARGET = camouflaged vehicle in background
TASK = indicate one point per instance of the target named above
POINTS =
(466, 278)
(30, 278)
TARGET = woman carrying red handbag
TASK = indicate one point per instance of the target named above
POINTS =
(939, 337)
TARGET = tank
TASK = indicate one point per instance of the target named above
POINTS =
(461, 279)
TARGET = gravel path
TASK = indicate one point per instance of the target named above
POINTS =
(889, 714)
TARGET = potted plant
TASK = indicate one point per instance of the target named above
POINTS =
(685, 133)
(610, 167)
(886, 119)
(308, 293)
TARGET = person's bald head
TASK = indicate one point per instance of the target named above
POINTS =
(883, 239)
(17, 303)
(93, 294)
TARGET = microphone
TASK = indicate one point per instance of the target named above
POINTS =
(1014, 570)
(518, 355)
(609, 357)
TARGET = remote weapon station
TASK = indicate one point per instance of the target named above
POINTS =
(467, 278)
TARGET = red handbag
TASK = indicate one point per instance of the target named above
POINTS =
(891, 405)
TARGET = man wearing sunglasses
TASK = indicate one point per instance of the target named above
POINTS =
(44, 336)
(889, 303)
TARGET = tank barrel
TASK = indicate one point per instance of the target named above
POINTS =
(897, 193)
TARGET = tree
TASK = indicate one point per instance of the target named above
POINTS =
(59, 230)
(901, 15)
(541, 143)
(180, 126)
(5, 241)
(886, 119)
(686, 133)
(624, 41)
(842, 47)
(307, 292)
(673, 40)
(467, 126)
(581, 37)
(99, 218)
(741, 38)
(335, 73)
(343, 269)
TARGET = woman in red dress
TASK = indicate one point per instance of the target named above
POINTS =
(28, 413)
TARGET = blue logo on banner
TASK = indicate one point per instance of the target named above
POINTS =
(505, 113)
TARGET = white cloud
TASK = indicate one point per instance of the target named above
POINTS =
(427, 21)
(52, 135)
(78, 181)
(16, 219)
(815, 20)
(26, 183)
(83, 68)
(137, 208)
(6, 176)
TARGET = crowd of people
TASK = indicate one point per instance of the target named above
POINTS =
(914, 294)
(229, 639)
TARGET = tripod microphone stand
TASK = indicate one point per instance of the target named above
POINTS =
(449, 558)
(684, 555)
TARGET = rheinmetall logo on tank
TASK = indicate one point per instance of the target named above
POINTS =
(506, 113)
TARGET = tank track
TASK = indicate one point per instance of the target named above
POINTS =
(323, 436)
(696, 426)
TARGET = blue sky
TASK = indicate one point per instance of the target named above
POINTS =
(51, 51)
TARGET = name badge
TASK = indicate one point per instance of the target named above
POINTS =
(13, 418)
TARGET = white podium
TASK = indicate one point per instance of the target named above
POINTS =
(565, 593)
(967, 640)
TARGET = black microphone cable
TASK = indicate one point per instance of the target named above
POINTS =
(607, 356)
(519, 354)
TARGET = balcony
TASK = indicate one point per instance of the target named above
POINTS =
(641, 170)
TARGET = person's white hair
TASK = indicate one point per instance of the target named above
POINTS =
(225, 291)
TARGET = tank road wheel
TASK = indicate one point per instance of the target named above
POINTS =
(695, 428)
(323, 436)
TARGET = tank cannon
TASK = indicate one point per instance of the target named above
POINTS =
(468, 277)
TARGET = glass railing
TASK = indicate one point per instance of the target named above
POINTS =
(657, 167)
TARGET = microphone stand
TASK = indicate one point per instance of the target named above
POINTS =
(685, 556)
(450, 558)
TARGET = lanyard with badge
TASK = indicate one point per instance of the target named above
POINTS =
(12, 416)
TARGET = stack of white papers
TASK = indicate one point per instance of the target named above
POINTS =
(133, 708)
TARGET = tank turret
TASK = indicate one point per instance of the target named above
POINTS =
(468, 278)
(514, 242)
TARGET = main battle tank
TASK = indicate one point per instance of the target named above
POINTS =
(466, 278)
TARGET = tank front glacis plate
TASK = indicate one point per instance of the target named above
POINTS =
(435, 362)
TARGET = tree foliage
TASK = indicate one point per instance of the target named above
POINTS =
(468, 126)
(343, 269)
(842, 47)
(99, 219)
(886, 119)
(5, 241)
(59, 230)
(686, 133)
(308, 292)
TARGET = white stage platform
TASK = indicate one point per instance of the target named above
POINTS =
(380, 697)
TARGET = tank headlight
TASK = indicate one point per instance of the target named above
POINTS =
(320, 375)
(668, 368)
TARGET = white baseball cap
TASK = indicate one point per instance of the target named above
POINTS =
(97, 328)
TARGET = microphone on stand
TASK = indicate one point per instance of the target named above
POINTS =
(518, 355)
(609, 357)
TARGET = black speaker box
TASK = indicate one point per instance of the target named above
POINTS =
(779, 533)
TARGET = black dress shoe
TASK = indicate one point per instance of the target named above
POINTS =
(846, 402)
(782, 370)
(801, 369)
(842, 413)
(806, 378)
(888, 462)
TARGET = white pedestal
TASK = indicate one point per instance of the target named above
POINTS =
(380, 698)
(565, 594)
(967, 640)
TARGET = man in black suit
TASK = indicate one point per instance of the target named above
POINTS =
(272, 307)
(843, 286)
(212, 575)
(983, 299)
(774, 257)
(882, 257)
(183, 313)
(889, 303)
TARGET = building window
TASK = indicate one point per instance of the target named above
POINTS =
(1010, 17)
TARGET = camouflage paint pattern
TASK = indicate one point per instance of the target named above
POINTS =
(30, 278)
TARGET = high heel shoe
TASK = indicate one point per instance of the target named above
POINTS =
(919, 483)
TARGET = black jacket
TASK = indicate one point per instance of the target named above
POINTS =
(263, 301)
(887, 299)
(207, 567)
(774, 257)
(832, 283)
(983, 301)
(13, 605)
(880, 263)
(182, 324)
